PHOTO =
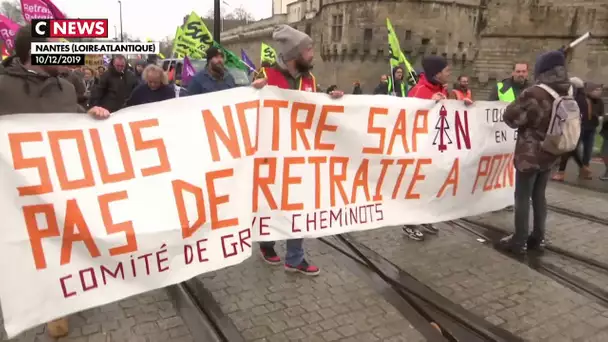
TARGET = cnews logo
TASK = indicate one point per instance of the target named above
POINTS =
(70, 28)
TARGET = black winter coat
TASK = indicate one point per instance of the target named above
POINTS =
(113, 90)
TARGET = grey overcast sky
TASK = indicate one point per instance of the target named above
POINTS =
(153, 19)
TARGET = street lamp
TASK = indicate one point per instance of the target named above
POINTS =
(115, 33)
(120, 7)
(227, 4)
(217, 23)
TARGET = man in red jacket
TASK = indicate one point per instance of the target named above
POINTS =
(291, 71)
(430, 85)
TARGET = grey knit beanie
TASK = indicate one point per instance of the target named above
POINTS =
(290, 42)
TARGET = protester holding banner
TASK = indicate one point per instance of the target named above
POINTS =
(430, 86)
(26, 88)
(114, 86)
(461, 90)
(291, 71)
(155, 88)
(530, 114)
(214, 77)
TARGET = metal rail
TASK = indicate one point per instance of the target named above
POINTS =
(578, 214)
(201, 313)
(456, 323)
(534, 261)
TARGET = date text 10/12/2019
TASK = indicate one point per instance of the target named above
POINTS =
(65, 60)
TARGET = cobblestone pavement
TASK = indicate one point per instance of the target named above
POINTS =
(150, 317)
(577, 199)
(570, 233)
(267, 304)
(491, 285)
(596, 184)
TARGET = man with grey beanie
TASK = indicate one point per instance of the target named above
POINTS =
(294, 62)
(292, 71)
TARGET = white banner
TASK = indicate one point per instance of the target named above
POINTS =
(96, 211)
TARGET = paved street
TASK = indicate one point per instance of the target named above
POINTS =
(595, 184)
(570, 233)
(573, 234)
(455, 264)
(503, 291)
(268, 304)
(149, 317)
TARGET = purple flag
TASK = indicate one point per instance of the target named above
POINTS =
(40, 9)
(187, 71)
(8, 29)
(248, 62)
(106, 60)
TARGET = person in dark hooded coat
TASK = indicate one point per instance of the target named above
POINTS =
(115, 86)
(27, 88)
(530, 114)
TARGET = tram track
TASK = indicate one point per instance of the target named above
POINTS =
(578, 214)
(553, 263)
(202, 314)
(451, 320)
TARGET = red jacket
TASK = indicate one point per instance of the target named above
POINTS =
(425, 89)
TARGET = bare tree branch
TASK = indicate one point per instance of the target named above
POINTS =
(240, 13)
(12, 10)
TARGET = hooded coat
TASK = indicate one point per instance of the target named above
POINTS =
(114, 89)
(530, 114)
(26, 91)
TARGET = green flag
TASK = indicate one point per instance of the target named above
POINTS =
(230, 59)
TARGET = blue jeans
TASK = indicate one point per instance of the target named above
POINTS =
(295, 251)
(587, 141)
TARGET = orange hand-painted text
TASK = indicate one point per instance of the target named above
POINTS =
(95, 170)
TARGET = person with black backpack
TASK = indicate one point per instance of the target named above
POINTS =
(548, 123)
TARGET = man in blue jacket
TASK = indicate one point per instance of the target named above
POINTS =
(214, 77)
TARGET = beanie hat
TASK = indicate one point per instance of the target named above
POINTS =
(213, 51)
(290, 42)
(432, 65)
(547, 61)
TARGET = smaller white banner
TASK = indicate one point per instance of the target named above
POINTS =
(69, 48)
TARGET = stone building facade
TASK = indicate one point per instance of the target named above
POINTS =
(480, 38)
